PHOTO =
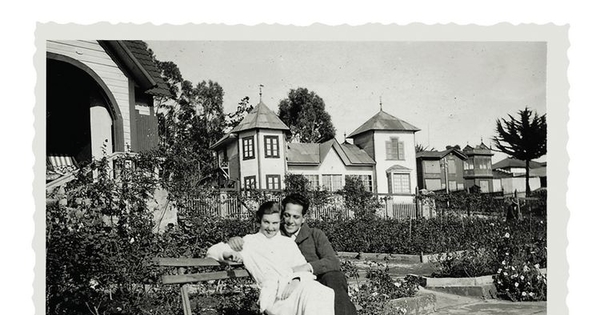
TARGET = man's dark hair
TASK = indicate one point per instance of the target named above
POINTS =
(297, 199)
(268, 207)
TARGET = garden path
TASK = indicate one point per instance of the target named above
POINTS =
(450, 304)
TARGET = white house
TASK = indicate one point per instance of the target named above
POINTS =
(255, 154)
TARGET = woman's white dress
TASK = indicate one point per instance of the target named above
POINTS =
(270, 262)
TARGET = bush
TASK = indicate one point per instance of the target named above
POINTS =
(373, 293)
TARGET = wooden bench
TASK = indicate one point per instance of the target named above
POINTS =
(234, 270)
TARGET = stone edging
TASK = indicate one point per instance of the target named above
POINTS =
(422, 304)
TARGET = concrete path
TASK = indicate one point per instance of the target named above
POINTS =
(449, 304)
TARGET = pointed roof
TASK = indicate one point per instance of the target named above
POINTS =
(261, 117)
(440, 154)
(384, 121)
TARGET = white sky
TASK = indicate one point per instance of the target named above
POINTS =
(452, 91)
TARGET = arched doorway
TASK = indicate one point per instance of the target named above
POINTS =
(80, 122)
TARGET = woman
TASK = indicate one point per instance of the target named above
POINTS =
(270, 257)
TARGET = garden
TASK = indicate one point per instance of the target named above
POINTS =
(100, 242)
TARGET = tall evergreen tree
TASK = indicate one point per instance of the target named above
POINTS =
(522, 138)
(304, 112)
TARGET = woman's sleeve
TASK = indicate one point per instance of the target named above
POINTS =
(216, 251)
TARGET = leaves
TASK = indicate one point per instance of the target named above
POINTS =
(304, 112)
(522, 138)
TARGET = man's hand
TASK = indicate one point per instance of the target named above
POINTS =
(306, 267)
(236, 243)
(233, 256)
(289, 289)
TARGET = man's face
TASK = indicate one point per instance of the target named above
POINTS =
(292, 218)
(269, 224)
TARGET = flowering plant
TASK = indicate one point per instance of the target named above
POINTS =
(519, 277)
(372, 294)
(522, 282)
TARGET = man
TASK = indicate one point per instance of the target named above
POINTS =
(316, 248)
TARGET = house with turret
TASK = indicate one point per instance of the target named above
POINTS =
(380, 152)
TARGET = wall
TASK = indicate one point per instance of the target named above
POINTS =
(409, 161)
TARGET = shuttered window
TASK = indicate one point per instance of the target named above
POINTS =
(394, 149)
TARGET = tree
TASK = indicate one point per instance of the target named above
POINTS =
(304, 112)
(422, 148)
(234, 119)
(522, 138)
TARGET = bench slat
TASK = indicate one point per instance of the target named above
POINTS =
(191, 262)
(197, 277)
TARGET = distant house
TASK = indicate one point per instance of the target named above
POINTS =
(255, 154)
(510, 173)
(99, 99)
(478, 168)
(441, 170)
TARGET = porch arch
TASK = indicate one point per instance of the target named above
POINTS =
(119, 141)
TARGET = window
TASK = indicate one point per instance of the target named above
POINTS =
(248, 147)
(332, 182)
(452, 185)
(433, 184)
(274, 182)
(451, 166)
(485, 186)
(400, 183)
(366, 181)
(468, 164)
(431, 167)
(313, 181)
(394, 149)
(250, 182)
(272, 146)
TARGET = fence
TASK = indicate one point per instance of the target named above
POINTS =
(231, 205)
(404, 211)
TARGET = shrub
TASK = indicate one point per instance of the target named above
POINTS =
(373, 293)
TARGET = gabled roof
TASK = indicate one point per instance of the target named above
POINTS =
(356, 155)
(315, 153)
(303, 154)
(139, 50)
(480, 149)
(261, 117)
(386, 122)
(134, 58)
(510, 163)
(440, 154)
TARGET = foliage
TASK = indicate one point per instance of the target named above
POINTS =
(521, 282)
(235, 118)
(422, 148)
(428, 236)
(359, 200)
(522, 138)
(98, 246)
(373, 293)
(466, 203)
(304, 112)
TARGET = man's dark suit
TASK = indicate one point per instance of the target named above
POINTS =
(318, 251)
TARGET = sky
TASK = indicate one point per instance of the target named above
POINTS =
(452, 91)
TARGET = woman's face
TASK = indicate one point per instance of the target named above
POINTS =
(269, 224)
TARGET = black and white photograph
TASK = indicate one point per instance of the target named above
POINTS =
(331, 172)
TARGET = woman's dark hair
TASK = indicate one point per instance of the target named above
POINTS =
(297, 199)
(268, 207)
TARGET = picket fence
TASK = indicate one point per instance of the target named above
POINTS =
(230, 206)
